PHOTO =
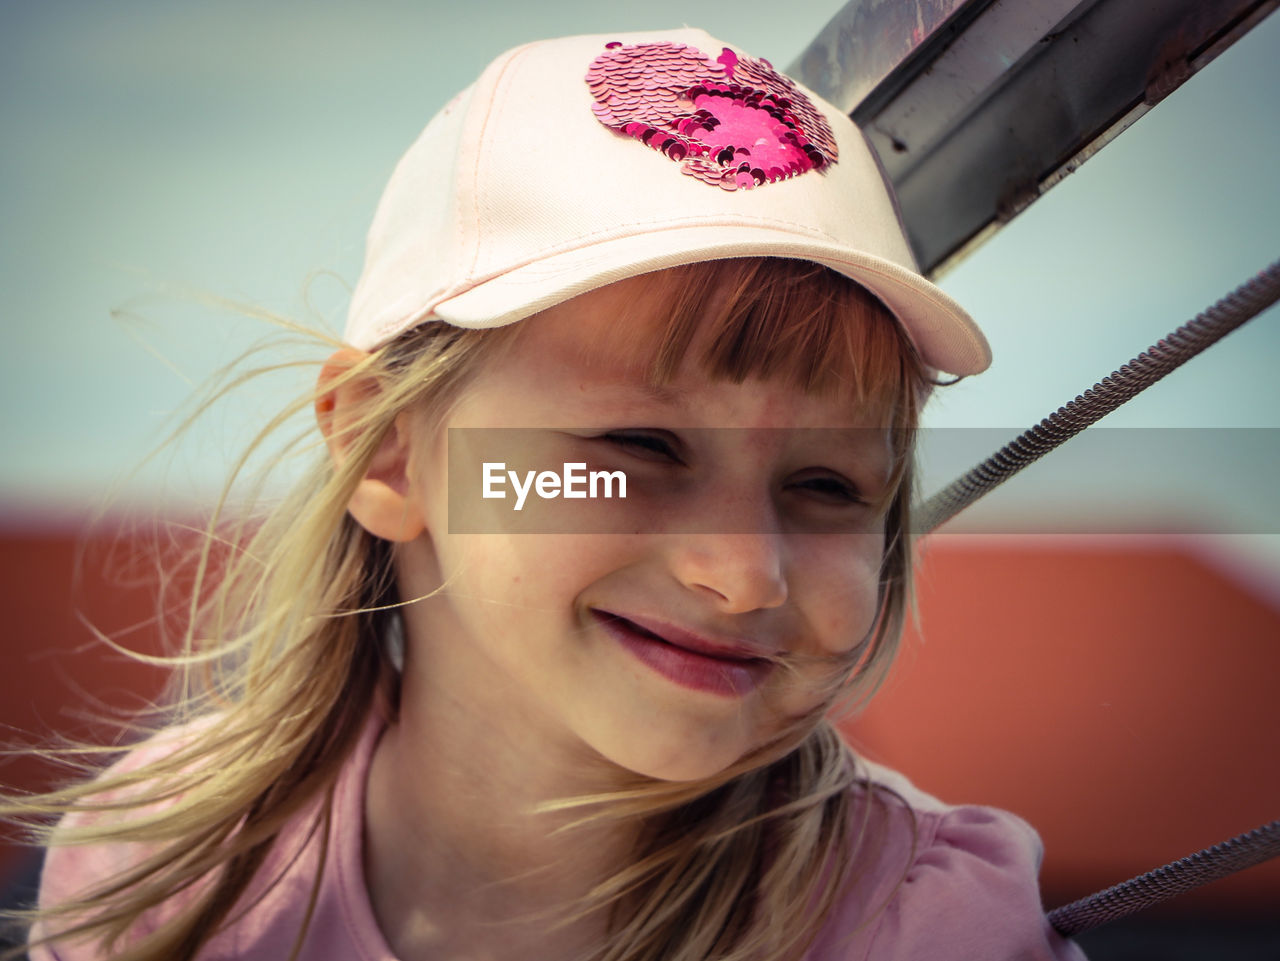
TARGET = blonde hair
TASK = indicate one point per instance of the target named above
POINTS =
(284, 643)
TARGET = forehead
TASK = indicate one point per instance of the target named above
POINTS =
(605, 346)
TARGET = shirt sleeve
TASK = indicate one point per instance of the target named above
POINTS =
(45, 953)
(68, 873)
(71, 871)
(972, 892)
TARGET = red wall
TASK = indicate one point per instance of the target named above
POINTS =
(54, 675)
(1120, 695)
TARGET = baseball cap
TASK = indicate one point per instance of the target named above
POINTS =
(576, 162)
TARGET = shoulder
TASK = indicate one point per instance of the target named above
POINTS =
(91, 843)
(295, 883)
(89, 847)
(933, 880)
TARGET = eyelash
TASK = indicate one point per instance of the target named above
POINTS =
(833, 487)
(657, 445)
(653, 444)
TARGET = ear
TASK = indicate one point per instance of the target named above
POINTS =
(382, 503)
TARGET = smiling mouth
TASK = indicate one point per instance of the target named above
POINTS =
(690, 663)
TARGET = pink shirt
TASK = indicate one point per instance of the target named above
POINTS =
(970, 892)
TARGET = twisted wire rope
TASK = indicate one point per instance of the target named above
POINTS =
(1121, 900)
(1246, 301)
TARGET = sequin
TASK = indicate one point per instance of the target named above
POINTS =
(708, 114)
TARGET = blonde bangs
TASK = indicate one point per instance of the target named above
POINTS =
(798, 322)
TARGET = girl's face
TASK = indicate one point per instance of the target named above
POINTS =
(676, 630)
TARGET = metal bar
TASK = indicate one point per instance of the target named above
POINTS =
(977, 108)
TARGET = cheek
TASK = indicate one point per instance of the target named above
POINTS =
(841, 590)
(530, 572)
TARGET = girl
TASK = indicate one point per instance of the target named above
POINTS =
(448, 702)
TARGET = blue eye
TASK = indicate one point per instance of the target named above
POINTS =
(650, 445)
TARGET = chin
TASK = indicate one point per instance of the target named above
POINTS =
(681, 771)
(681, 760)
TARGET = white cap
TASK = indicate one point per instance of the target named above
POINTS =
(539, 183)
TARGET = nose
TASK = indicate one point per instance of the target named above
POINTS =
(736, 572)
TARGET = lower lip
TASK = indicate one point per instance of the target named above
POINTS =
(699, 672)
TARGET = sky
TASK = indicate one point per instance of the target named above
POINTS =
(159, 157)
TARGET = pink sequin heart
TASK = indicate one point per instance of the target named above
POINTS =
(745, 133)
(733, 121)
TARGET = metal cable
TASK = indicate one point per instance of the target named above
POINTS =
(1123, 899)
(1245, 302)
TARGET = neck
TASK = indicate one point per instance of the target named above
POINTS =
(459, 854)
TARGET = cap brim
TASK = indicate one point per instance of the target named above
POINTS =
(945, 335)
